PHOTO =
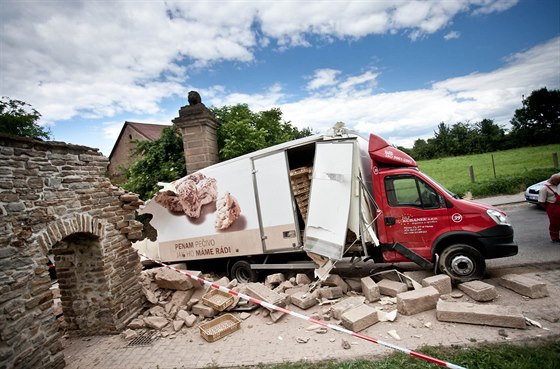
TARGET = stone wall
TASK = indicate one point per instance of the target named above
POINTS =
(55, 198)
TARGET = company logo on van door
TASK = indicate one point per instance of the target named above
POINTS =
(457, 218)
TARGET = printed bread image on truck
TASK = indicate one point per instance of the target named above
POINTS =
(190, 194)
(314, 201)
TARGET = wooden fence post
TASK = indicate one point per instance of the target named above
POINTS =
(471, 172)
(555, 159)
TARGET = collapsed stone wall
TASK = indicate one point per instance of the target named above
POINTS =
(55, 198)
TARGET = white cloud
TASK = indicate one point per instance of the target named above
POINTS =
(401, 117)
(92, 58)
(322, 78)
(452, 35)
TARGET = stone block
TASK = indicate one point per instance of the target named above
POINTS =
(359, 318)
(261, 292)
(478, 290)
(351, 302)
(182, 298)
(354, 284)
(172, 280)
(416, 301)
(441, 282)
(481, 314)
(334, 280)
(274, 279)
(370, 289)
(304, 300)
(156, 322)
(330, 293)
(291, 291)
(203, 310)
(524, 285)
(302, 279)
(391, 288)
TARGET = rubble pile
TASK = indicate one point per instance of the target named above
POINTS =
(176, 303)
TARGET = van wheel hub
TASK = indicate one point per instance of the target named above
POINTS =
(462, 265)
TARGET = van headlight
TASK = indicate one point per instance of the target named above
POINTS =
(498, 217)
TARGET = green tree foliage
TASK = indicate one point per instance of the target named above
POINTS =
(18, 118)
(161, 160)
(243, 131)
(538, 121)
(461, 139)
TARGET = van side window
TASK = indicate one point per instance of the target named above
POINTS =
(410, 191)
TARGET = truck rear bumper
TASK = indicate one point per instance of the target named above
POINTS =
(498, 242)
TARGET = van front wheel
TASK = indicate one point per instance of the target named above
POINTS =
(462, 263)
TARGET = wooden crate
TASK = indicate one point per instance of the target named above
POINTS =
(219, 327)
(300, 179)
(218, 300)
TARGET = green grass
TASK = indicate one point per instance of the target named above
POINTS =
(515, 170)
(536, 355)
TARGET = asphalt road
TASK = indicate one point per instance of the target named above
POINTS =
(530, 225)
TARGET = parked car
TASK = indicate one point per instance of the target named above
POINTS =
(532, 192)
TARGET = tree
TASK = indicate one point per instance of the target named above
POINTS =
(538, 121)
(243, 131)
(161, 160)
(489, 136)
(17, 118)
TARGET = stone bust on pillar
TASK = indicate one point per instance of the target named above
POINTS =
(199, 129)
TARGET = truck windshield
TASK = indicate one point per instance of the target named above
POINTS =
(441, 187)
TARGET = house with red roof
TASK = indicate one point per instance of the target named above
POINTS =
(121, 154)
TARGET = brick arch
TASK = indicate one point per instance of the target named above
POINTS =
(55, 196)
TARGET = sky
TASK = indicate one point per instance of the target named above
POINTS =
(394, 68)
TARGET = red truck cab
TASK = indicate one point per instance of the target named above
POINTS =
(423, 222)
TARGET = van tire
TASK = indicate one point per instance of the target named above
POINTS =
(241, 270)
(463, 263)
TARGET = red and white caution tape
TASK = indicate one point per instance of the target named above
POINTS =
(309, 319)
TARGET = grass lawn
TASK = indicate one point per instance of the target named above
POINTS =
(454, 171)
(533, 355)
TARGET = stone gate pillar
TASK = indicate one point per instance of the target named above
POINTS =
(199, 129)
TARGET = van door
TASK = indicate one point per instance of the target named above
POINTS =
(414, 216)
(274, 203)
(329, 203)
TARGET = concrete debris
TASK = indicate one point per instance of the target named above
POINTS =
(524, 285)
(479, 291)
(354, 284)
(178, 324)
(129, 334)
(302, 279)
(244, 316)
(334, 280)
(171, 280)
(384, 300)
(359, 318)
(533, 323)
(416, 301)
(370, 289)
(351, 302)
(440, 282)
(393, 333)
(274, 280)
(387, 316)
(174, 303)
(484, 314)
(391, 288)
(156, 322)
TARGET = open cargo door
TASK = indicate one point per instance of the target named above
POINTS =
(274, 203)
(329, 203)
